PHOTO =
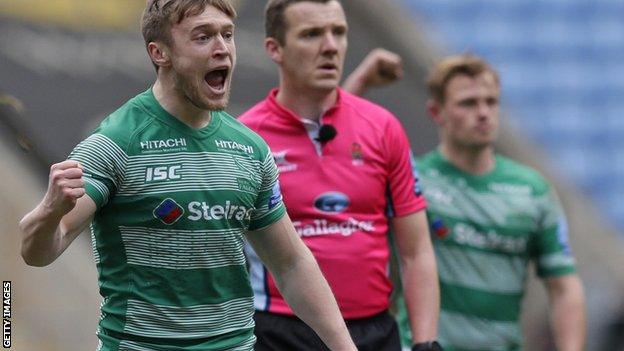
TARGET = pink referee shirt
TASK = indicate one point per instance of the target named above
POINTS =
(338, 195)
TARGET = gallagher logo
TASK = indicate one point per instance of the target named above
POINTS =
(168, 211)
(332, 202)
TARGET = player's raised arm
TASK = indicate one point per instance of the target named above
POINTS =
(57, 220)
(379, 68)
(301, 282)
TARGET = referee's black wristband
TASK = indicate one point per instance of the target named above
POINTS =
(427, 346)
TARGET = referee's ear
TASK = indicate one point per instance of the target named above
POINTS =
(273, 49)
(434, 110)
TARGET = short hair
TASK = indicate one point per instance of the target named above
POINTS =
(275, 25)
(159, 15)
(452, 66)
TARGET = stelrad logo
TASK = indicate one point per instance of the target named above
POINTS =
(169, 211)
(202, 210)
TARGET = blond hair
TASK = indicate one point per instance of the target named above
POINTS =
(159, 15)
(451, 66)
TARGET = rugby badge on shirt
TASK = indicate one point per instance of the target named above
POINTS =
(357, 158)
(282, 164)
(168, 211)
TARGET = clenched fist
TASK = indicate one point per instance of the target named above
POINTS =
(65, 187)
(379, 68)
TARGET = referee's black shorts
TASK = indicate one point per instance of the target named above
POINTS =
(277, 332)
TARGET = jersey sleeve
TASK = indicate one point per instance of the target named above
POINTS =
(552, 250)
(103, 163)
(403, 192)
(269, 204)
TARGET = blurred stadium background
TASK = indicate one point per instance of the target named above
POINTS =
(66, 64)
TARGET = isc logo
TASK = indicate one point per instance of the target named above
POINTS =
(153, 174)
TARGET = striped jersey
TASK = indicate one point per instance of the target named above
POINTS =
(173, 203)
(486, 229)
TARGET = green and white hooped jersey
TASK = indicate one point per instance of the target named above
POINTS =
(485, 230)
(173, 204)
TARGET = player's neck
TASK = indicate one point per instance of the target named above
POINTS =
(475, 160)
(178, 105)
(306, 104)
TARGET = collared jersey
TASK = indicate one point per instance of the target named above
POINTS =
(172, 205)
(338, 198)
(486, 229)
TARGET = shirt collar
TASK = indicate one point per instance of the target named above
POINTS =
(290, 116)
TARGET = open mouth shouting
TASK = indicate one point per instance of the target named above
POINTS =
(217, 78)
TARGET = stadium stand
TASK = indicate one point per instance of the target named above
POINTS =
(561, 67)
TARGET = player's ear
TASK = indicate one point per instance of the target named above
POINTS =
(159, 54)
(273, 49)
(434, 110)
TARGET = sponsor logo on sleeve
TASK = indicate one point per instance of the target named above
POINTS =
(417, 189)
(168, 211)
(276, 196)
(563, 237)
